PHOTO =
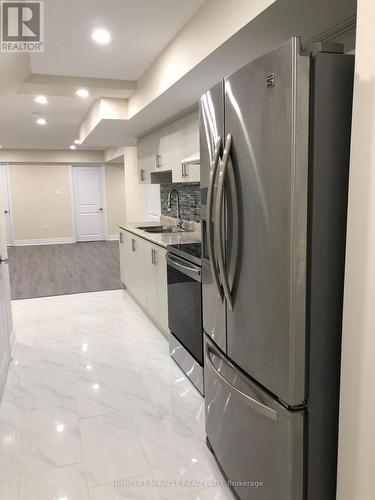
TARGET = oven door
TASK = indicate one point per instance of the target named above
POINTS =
(185, 305)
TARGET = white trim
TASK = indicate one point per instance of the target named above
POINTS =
(13, 344)
(72, 207)
(9, 202)
(104, 187)
(113, 237)
(46, 241)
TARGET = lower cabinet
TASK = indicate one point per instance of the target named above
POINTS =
(144, 275)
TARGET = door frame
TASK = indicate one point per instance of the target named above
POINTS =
(5, 172)
(73, 198)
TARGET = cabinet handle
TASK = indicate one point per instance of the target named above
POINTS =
(142, 175)
(183, 171)
(157, 161)
(133, 245)
(153, 257)
(121, 238)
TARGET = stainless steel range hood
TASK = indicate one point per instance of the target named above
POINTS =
(191, 160)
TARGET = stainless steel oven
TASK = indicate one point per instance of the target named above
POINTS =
(185, 314)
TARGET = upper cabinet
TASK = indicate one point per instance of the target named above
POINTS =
(163, 150)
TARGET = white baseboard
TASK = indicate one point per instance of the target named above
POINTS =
(46, 241)
(113, 237)
(13, 344)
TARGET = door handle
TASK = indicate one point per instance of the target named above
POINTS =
(245, 398)
(101, 209)
(210, 232)
(219, 221)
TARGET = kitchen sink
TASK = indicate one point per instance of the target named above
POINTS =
(163, 229)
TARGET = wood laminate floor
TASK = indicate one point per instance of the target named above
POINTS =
(46, 270)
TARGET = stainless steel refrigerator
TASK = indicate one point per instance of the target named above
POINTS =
(275, 145)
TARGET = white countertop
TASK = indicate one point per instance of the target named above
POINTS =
(162, 239)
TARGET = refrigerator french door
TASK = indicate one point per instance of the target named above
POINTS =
(275, 141)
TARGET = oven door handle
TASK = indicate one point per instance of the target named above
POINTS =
(180, 265)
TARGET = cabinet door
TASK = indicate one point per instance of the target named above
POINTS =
(122, 258)
(172, 147)
(149, 266)
(143, 154)
(161, 279)
(192, 172)
(127, 273)
(139, 272)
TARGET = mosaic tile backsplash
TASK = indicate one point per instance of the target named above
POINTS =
(190, 200)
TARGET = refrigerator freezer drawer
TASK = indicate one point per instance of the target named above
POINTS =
(256, 440)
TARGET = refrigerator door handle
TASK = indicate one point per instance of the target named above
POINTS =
(245, 398)
(210, 226)
(219, 221)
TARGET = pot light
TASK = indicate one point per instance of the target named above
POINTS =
(101, 36)
(1, 146)
(41, 99)
(82, 93)
(77, 141)
(73, 146)
(41, 121)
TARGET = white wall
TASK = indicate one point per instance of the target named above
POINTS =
(356, 468)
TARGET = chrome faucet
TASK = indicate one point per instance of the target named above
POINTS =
(169, 205)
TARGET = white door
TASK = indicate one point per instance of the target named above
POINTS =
(6, 323)
(89, 202)
(5, 202)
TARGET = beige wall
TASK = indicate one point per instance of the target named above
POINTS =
(114, 179)
(357, 437)
(41, 201)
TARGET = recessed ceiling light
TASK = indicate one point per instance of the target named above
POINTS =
(1, 147)
(82, 93)
(73, 146)
(41, 121)
(41, 99)
(101, 36)
(77, 141)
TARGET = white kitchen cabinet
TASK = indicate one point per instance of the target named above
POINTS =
(163, 150)
(172, 145)
(148, 156)
(192, 172)
(162, 290)
(144, 274)
(122, 256)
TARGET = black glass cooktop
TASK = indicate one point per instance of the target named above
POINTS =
(189, 251)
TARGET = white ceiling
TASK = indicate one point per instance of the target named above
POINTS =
(140, 30)
(18, 129)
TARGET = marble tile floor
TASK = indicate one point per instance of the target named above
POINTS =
(95, 409)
